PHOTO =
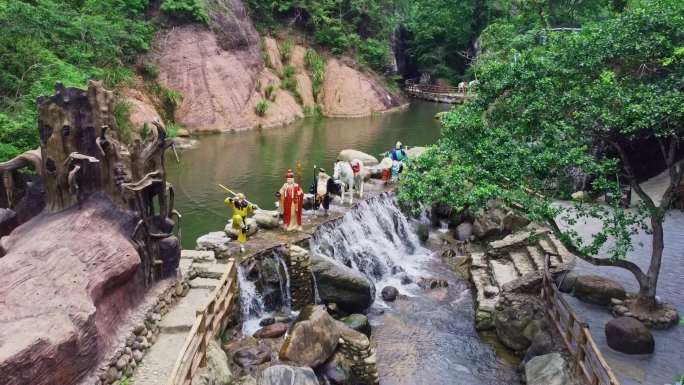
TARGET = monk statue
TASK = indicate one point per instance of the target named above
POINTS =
(322, 191)
(241, 210)
(291, 200)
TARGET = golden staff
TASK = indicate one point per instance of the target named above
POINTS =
(229, 191)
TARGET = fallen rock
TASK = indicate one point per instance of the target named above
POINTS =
(271, 331)
(432, 283)
(348, 288)
(464, 231)
(349, 155)
(312, 339)
(598, 290)
(250, 222)
(287, 375)
(629, 335)
(216, 372)
(267, 219)
(216, 241)
(549, 369)
(358, 322)
(389, 293)
(252, 356)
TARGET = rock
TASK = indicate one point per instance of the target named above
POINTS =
(349, 155)
(271, 331)
(358, 322)
(216, 372)
(216, 241)
(464, 231)
(338, 369)
(233, 234)
(312, 338)
(581, 196)
(405, 279)
(267, 321)
(182, 133)
(629, 335)
(8, 221)
(267, 219)
(597, 290)
(66, 288)
(497, 220)
(389, 293)
(348, 92)
(566, 282)
(423, 231)
(415, 152)
(348, 288)
(549, 369)
(432, 283)
(512, 317)
(396, 269)
(290, 375)
(252, 356)
(138, 355)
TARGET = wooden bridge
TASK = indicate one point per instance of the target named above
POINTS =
(435, 93)
(589, 362)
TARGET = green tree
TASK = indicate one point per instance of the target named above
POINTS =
(545, 103)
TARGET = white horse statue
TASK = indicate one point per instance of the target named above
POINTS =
(351, 181)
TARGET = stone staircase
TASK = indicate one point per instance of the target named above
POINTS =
(514, 263)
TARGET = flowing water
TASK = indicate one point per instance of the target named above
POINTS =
(426, 337)
(255, 162)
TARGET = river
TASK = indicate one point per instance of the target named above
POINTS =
(255, 162)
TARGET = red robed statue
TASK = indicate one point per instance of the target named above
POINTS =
(291, 200)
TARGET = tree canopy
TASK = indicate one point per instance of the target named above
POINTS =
(553, 104)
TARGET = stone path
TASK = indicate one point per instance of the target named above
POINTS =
(157, 364)
(511, 263)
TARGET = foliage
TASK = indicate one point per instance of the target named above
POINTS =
(261, 107)
(375, 54)
(286, 50)
(149, 71)
(48, 41)
(313, 111)
(545, 102)
(125, 380)
(172, 129)
(289, 83)
(316, 66)
(268, 92)
(121, 115)
(186, 10)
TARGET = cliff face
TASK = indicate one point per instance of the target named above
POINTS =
(220, 71)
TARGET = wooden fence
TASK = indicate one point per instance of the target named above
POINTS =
(412, 85)
(588, 360)
(209, 323)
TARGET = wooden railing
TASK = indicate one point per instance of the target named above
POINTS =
(412, 85)
(588, 360)
(209, 323)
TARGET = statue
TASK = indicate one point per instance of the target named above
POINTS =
(291, 201)
(322, 190)
(241, 210)
(398, 156)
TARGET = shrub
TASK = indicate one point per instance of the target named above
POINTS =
(261, 107)
(316, 65)
(171, 100)
(186, 10)
(149, 71)
(375, 53)
(268, 92)
(172, 129)
(288, 71)
(122, 112)
(313, 111)
(286, 50)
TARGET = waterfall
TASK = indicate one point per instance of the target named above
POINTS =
(284, 282)
(375, 238)
(251, 303)
(317, 296)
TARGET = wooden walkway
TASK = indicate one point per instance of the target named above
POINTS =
(435, 93)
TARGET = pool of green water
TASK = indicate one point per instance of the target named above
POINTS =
(255, 162)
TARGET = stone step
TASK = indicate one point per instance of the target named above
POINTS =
(536, 256)
(198, 255)
(204, 283)
(522, 262)
(503, 271)
(156, 366)
(565, 255)
(486, 292)
(182, 315)
(478, 260)
(548, 247)
(210, 270)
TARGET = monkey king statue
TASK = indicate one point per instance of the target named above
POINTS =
(291, 201)
(241, 210)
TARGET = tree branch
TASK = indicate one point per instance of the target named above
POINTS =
(674, 170)
(627, 165)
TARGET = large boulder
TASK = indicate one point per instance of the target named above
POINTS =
(348, 288)
(549, 369)
(216, 241)
(629, 335)
(274, 330)
(267, 219)
(312, 339)
(252, 356)
(290, 375)
(338, 369)
(358, 322)
(251, 222)
(8, 221)
(598, 290)
(348, 155)
(497, 220)
(217, 371)
(513, 315)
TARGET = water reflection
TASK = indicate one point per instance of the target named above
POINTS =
(255, 162)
